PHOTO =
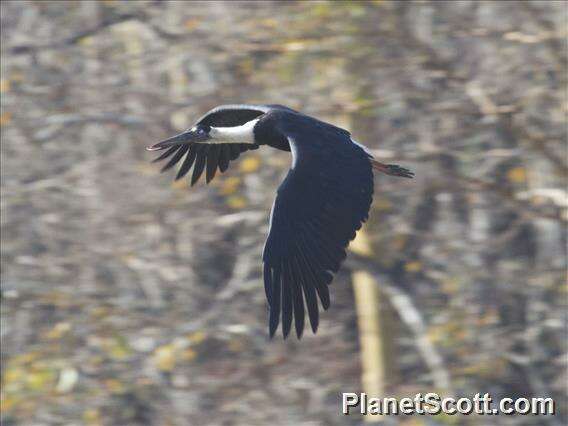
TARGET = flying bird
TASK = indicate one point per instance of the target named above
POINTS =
(319, 206)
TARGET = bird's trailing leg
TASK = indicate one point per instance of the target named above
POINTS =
(391, 169)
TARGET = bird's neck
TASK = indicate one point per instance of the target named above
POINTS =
(236, 134)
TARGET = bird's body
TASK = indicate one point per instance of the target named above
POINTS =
(319, 206)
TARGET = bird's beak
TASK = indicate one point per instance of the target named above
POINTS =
(187, 137)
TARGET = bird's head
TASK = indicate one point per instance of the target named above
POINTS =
(200, 133)
(203, 133)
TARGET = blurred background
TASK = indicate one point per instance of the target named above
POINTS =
(129, 300)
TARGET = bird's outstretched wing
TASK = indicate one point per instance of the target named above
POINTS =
(320, 205)
(213, 157)
(203, 157)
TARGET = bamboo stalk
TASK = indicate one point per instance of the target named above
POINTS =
(374, 319)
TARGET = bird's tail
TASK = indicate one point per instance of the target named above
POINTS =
(391, 169)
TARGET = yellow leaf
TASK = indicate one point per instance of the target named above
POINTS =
(236, 202)
(114, 386)
(450, 286)
(250, 164)
(179, 184)
(7, 403)
(189, 354)
(164, 358)
(92, 416)
(295, 45)
(197, 337)
(522, 38)
(86, 41)
(40, 379)
(13, 376)
(230, 185)
(320, 10)
(489, 318)
(191, 24)
(119, 352)
(517, 175)
(25, 358)
(269, 22)
(414, 266)
(4, 85)
(382, 204)
(100, 312)
(116, 347)
(58, 330)
(5, 118)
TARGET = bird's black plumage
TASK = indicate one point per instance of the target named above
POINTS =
(319, 206)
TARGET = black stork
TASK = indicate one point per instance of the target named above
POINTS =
(319, 206)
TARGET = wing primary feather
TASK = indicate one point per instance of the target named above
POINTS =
(235, 151)
(321, 287)
(187, 163)
(326, 260)
(224, 158)
(287, 304)
(199, 164)
(212, 162)
(308, 286)
(311, 253)
(275, 305)
(330, 244)
(175, 158)
(327, 277)
(295, 278)
(332, 257)
(268, 286)
(166, 154)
